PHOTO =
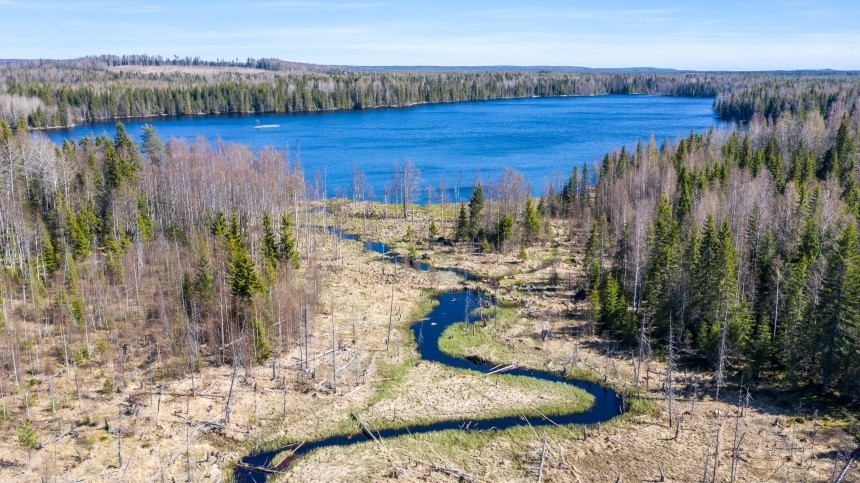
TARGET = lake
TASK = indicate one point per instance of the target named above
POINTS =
(541, 137)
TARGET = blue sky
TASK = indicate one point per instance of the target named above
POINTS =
(714, 35)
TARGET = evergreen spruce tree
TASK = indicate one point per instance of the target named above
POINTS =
(127, 151)
(27, 437)
(244, 281)
(723, 317)
(476, 213)
(796, 331)
(614, 316)
(433, 230)
(531, 221)
(686, 294)
(620, 260)
(505, 230)
(593, 267)
(838, 310)
(685, 199)
(218, 229)
(145, 223)
(703, 308)
(5, 132)
(270, 246)
(287, 251)
(658, 289)
(262, 348)
(746, 154)
(569, 191)
(461, 233)
(773, 161)
(151, 144)
(49, 255)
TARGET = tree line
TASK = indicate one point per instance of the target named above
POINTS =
(67, 104)
(189, 254)
(63, 93)
(737, 248)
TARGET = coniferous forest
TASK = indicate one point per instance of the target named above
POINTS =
(740, 247)
(732, 252)
(64, 93)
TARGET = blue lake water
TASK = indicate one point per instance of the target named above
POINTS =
(541, 137)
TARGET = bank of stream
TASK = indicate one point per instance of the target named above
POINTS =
(451, 308)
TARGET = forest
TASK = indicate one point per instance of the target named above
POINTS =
(737, 251)
(740, 247)
(64, 93)
(99, 238)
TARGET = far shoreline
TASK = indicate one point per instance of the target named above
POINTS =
(166, 117)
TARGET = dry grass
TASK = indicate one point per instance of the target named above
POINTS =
(777, 446)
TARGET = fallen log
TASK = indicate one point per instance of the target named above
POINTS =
(463, 477)
(364, 429)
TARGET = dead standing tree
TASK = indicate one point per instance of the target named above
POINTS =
(670, 366)
(404, 179)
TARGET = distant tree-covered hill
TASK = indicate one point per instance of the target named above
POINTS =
(48, 93)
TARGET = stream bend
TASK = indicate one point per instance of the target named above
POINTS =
(452, 307)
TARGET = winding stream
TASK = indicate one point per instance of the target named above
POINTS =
(452, 307)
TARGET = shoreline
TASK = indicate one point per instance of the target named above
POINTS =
(109, 120)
